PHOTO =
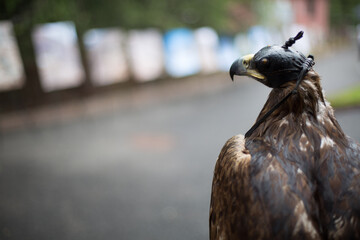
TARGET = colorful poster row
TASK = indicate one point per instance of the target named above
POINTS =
(114, 56)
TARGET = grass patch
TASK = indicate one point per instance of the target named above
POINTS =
(347, 98)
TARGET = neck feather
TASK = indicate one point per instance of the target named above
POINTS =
(305, 112)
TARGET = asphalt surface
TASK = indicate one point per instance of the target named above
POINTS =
(137, 173)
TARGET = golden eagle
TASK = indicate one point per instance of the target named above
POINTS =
(295, 174)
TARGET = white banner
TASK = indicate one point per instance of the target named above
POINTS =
(57, 56)
(106, 56)
(146, 53)
(11, 68)
(207, 41)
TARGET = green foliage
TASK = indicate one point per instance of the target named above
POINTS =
(342, 12)
(128, 14)
(155, 13)
(123, 13)
(347, 98)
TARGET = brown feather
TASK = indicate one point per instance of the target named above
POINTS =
(297, 176)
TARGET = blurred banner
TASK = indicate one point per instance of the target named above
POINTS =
(106, 56)
(247, 43)
(242, 44)
(259, 37)
(57, 56)
(207, 41)
(226, 53)
(181, 53)
(145, 49)
(11, 68)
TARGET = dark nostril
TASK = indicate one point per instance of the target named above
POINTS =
(245, 63)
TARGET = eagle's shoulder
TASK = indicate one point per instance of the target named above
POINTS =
(232, 168)
(232, 194)
(234, 153)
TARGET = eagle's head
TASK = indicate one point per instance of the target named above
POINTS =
(291, 76)
(272, 65)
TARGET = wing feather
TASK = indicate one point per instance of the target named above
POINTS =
(231, 193)
(339, 190)
(259, 196)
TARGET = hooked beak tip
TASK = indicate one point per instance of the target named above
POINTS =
(233, 70)
(232, 76)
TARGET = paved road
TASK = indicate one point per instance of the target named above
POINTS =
(141, 173)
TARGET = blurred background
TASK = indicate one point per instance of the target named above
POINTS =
(112, 113)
